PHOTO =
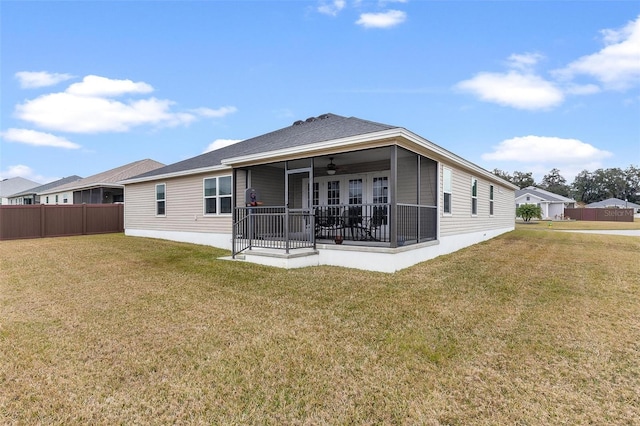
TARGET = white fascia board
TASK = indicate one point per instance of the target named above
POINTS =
(176, 174)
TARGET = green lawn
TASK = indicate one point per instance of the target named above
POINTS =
(528, 328)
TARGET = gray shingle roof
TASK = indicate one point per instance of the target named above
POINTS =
(609, 202)
(48, 186)
(112, 176)
(313, 130)
(545, 195)
(10, 186)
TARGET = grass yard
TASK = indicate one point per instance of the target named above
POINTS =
(528, 328)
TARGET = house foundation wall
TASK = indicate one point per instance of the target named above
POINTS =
(392, 260)
(218, 240)
(378, 259)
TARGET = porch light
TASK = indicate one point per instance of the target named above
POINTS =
(331, 168)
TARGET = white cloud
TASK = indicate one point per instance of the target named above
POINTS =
(617, 65)
(514, 89)
(545, 148)
(35, 79)
(20, 170)
(32, 137)
(539, 154)
(386, 19)
(215, 113)
(83, 114)
(89, 107)
(525, 61)
(332, 8)
(221, 143)
(581, 89)
(94, 85)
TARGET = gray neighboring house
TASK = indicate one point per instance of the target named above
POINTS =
(101, 188)
(552, 205)
(13, 185)
(617, 204)
(328, 190)
(31, 196)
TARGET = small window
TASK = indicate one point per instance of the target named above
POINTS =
(47, 200)
(217, 195)
(65, 198)
(446, 190)
(474, 196)
(160, 199)
(491, 200)
(56, 198)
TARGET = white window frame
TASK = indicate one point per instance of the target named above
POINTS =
(218, 196)
(161, 200)
(367, 186)
(474, 197)
(491, 199)
(447, 190)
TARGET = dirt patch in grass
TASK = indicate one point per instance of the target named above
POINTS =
(528, 328)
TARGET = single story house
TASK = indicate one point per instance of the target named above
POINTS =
(31, 196)
(10, 186)
(552, 205)
(616, 203)
(101, 188)
(328, 190)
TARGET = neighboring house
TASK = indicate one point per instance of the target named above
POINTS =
(617, 204)
(387, 197)
(101, 188)
(11, 186)
(552, 205)
(31, 196)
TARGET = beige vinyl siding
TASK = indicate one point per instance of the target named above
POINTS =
(461, 221)
(184, 206)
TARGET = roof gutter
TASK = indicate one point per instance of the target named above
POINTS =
(175, 174)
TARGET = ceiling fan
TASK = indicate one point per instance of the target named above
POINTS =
(331, 167)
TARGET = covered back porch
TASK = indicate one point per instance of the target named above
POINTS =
(378, 197)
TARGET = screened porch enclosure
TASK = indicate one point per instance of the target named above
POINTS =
(384, 197)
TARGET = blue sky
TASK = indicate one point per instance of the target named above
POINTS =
(514, 85)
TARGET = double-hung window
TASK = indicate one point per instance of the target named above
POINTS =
(474, 196)
(217, 195)
(446, 190)
(490, 200)
(161, 199)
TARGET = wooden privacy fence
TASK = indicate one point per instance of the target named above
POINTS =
(607, 215)
(40, 221)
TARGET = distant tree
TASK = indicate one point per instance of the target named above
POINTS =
(502, 174)
(522, 179)
(632, 184)
(585, 188)
(613, 183)
(554, 182)
(529, 211)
